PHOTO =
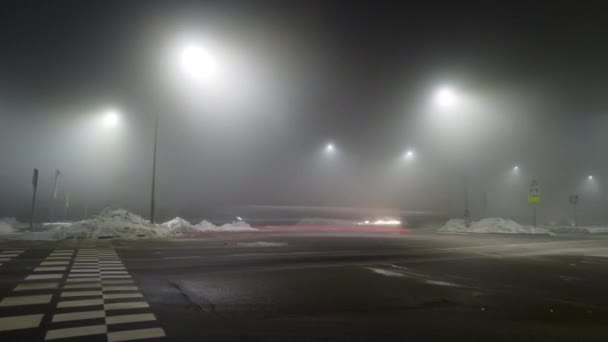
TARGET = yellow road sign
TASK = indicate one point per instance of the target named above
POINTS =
(534, 192)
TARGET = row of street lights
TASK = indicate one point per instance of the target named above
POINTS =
(198, 64)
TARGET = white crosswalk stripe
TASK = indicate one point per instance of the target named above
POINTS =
(137, 334)
(76, 332)
(26, 300)
(44, 276)
(36, 286)
(79, 315)
(94, 284)
(130, 318)
(20, 322)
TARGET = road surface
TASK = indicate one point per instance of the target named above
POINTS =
(307, 286)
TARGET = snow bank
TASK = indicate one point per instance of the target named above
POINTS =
(118, 223)
(122, 224)
(177, 223)
(7, 225)
(181, 227)
(491, 225)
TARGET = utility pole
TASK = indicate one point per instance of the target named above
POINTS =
(573, 199)
(153, 194)
(35, 184)
(467, 212)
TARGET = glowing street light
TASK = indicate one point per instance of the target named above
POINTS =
(409, 154)
(445, 97)
(590, 177)
(197, 62)
(330, 148)
(111, 118)
(515, 168)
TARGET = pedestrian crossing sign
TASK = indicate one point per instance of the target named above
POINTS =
(534, 192)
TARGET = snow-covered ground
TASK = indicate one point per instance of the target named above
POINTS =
(491, 225)
(7, 225)
(120, 224)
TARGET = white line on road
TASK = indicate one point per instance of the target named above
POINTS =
(79, 315)
(26, 300)
(50, 269)
(36, 286)
(81, 286)
(129, 335)
(78, 303)
(118, 281)
(44, 276)
(20, 322)
(80, 293)
(119, 288)
(125, 305)
(82, 280)
(76, 332)
(130, 318)
(122, 295)
(54, 263)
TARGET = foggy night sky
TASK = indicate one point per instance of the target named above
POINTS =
(296, 76)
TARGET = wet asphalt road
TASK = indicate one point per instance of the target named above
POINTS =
(356, 287)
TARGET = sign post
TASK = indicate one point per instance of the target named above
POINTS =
(534, 197)
(35, 184)
(67, 206)
(573, 199)
(54, 195)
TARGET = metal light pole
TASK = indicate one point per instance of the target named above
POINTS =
(467, 212)
(35, 184)
(196, 62)
(153, 194)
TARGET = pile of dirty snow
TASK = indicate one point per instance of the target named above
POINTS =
(7, 225)
(176, 224)
(491, 225)
(181, 227)
(111, 223)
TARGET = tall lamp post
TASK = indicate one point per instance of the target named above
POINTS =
(153, 194)
(446, 98)
(198, 64)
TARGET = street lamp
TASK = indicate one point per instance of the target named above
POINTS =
(111, 118)
(330, 148)
(198, 64)
(590, 177)
(445, 97)
(409, 154)
(515, 168)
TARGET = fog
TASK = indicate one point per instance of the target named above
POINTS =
(287, 81)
